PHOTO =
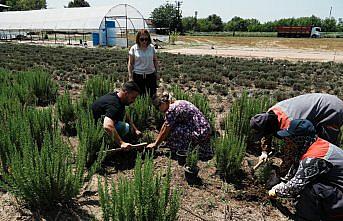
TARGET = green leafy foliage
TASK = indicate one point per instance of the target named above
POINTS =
(13, 88)
(147, 197)
(148, 136)
(38, 167)
(167, 17)
(91, 136)
(25, 5)
(95, 88)
(43, 177)
(142, 112)
(40, 121)
(41, 84)
(230, 148)
(66, 111)
(78, 3)
(64, 64)
(192, 158)
(230, 151)
(237, 121)
(263, 173)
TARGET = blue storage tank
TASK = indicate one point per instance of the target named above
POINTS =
(102, 37)
(96, 39)
(110, 33)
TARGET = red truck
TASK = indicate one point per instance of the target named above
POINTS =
(298, 31)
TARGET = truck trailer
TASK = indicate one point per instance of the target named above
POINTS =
(298, 31)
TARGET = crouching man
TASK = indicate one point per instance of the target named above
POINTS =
(112, 107)
(316, 175)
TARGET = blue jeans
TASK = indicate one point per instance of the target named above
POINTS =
(122, 128)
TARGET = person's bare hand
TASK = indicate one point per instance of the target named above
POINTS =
(138, 133)
(125, 146)
(151, 146)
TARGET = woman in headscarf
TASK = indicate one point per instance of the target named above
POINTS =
(184, 128)
(316, 176)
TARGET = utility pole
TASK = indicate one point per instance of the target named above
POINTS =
(195, 20)
(178, 12)
(330, 12)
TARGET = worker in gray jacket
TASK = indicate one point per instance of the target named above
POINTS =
(315, 178)
(325, 111)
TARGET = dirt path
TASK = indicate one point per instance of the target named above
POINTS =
(294, 49)
(256, 52)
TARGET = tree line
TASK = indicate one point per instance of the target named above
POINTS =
(168, 18)
(25, 5)
(215, 23)
(164, 18)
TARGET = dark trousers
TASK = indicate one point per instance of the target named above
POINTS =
(319, 202)
(147, 83)
(329, 133)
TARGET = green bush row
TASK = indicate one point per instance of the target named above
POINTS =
(147, 197)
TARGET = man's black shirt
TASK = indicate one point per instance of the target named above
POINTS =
(110, 106)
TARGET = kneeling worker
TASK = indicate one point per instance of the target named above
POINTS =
(112, 107)
(325, 112)
(316, 177)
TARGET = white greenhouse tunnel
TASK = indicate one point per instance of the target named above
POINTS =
(108, 24)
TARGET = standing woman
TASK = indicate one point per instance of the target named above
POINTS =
(143, 65)
(184, 127)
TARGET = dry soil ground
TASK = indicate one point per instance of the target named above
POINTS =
(213, 199)
(294, 49)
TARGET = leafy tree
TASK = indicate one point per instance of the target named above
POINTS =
(253, 25)
(340, 25)
(216, 23)
(211, 23)
(190, 24)
(268, 27)
(78, 3)
(24, 5)
(307, 21)
(167, 17)
(237, 24)
(329, 25)
(204, 25)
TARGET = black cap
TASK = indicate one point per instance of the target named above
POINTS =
(259, 123)
(298, 127)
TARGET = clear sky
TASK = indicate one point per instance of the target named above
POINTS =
(263, 10)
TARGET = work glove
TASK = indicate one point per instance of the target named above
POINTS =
(272, 193)
(263, 156)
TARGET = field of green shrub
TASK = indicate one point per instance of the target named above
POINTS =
(42, 169)
(75, 65)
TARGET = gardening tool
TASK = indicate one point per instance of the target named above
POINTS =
(262, 161)
(133, 146)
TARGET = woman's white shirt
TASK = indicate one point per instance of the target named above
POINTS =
(143, 63)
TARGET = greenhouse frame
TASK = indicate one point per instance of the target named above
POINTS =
(107, 24)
